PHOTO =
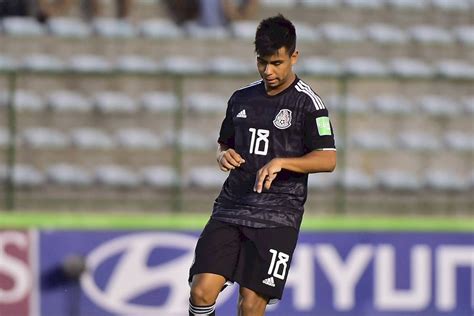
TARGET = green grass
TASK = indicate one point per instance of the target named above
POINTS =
(83, 220)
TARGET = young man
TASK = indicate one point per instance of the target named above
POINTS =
(276, 131)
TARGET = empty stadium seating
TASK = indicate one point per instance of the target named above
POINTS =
(131, 109)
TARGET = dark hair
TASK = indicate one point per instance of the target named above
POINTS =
(274, 33)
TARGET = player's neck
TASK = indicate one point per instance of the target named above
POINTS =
(282, 87)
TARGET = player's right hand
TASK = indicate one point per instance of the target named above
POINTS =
(229, 159)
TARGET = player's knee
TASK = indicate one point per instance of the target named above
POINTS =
(200, 295)
(250, 305)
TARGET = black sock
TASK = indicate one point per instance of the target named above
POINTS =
(202, 310)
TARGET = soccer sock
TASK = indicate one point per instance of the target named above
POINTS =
(201, 310)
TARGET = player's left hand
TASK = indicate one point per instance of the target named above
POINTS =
(266, 175)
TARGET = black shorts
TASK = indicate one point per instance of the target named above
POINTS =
(256, 258)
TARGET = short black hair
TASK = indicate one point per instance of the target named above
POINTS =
(274, 33)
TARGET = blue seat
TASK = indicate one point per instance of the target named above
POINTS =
(137, 138)
(65, 174)
(66, 100)
(69, 27)
(161, 177)
(116, 176)
(44, 138)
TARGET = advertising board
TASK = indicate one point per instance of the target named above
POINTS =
(332, 274)
(16, 273)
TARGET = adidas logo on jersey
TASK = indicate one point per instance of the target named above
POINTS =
(270, 282)
(242, 114)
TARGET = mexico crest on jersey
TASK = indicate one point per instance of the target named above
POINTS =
(282, 119)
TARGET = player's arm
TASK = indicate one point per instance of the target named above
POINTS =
(228, 158)
(314, 161)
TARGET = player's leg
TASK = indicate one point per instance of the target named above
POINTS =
(251, 303)
(205, 287)
(214, 262)
(264, 262)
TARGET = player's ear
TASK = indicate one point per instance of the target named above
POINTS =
(294, 57)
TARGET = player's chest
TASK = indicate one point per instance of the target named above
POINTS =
(279, 117)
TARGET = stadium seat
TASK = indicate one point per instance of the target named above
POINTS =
(206, 102)
(195, 30)
(468, 104)
(418, 140)
(386, 34)
(340, 33)
(44, 138)
(159, 101)
(438, 105)
(3, 99)
(161, 177)
(371, 141)
(230, 66)
(350, 103)
(465, 34)
(459, 140)
(182, 65)
(278, 3)
(42, 62)
(244, 29)
(65, 101)
(113, 28)
(321, 3)
(364, 4)
(114, 102)
(322, 181)
(117, 177)
(4, 137)
(89, 63)
(7, 63)
(430, 34)
(91, 138)
(137, 138)
(69, 27)
(28, 101)
(68, 175)
(27, 176)
(365, 67)
(444, 180)
(22, 26)
(320, 66)
(455, 69)
(397, 180)
(206, 177)
(417, 5)
(452, 5)
(190, 140)
(136, 63)
(306, 33)
(355, 180)
(410, 68)
(160, 29)
(391, 104)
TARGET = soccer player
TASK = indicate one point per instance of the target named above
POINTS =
(275, 131)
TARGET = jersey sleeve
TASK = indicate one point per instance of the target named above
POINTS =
(318, 130)
(227, 132)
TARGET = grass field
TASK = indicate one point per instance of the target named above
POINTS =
(184, 221)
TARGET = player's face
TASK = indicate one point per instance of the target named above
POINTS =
(277, 70)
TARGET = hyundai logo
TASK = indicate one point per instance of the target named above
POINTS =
(133, 286)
